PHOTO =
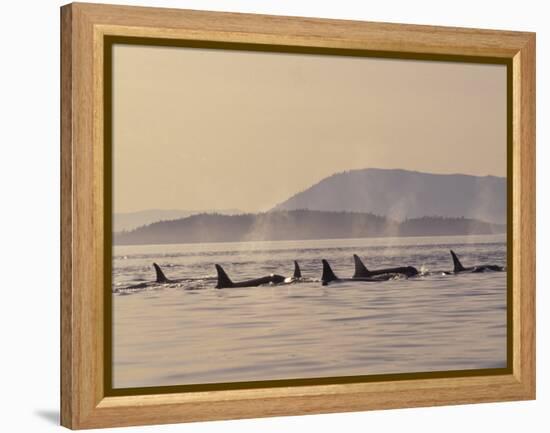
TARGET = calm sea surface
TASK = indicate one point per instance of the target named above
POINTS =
(190, 332)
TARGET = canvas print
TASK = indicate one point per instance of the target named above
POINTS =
(281, 216)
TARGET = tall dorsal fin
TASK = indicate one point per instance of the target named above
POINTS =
(328, 275)
(223, 279)
(297, 271)
(361, 270)
(457, 264)
(161, 278)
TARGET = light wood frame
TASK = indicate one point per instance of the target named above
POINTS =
(83, 400)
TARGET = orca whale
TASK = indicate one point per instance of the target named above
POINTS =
(361, 270)
(481, 268)
(160, 278)
(329, 276)
(225, 282)
(297, 271)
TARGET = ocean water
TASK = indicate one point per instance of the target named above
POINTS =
(189, 332)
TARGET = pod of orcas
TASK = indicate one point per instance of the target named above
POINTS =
(361, 274)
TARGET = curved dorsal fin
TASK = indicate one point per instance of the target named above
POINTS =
(328, 275)
(297, 271)
(456, 262)
(161, 278)
(223, 279)
(361, 270)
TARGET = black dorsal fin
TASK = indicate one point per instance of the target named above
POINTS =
(456, 262)
(161, 278)
(361, 270)
(223, 279)
(297, 271)
(328, 275)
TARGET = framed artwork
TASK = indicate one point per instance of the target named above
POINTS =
(268, 215)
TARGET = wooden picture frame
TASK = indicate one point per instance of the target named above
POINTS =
(85, 28)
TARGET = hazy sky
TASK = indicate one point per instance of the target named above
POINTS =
(209, 129)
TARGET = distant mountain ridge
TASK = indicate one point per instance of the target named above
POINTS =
(132, 220)
(297, 225)
(401, 194)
